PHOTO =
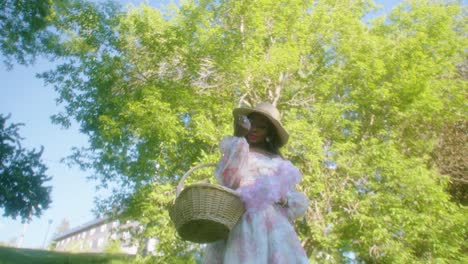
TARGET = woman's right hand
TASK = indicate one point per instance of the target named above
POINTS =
(241, 126)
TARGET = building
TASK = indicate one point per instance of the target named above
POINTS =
(95, 236)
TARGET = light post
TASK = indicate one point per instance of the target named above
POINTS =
(47, 233)
(25, 228)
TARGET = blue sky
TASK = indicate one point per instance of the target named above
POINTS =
(29, 101)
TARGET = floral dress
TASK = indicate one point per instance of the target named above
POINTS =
(264, 234)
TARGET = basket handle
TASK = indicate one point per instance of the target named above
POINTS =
(181, 186)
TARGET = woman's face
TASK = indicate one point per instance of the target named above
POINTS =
(259, 130)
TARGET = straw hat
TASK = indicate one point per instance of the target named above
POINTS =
(269, 111)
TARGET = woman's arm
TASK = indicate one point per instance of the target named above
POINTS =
(295, 204)
(235, 151)
(292, 201)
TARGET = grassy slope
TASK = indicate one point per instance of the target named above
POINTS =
(33, 256)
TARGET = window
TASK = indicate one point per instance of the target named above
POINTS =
(103, 228)
(100, 242)
(91, 232)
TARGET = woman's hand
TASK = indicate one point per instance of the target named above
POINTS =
(283, 202)
(241, 126)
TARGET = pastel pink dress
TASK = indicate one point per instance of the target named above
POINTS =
(264, 234)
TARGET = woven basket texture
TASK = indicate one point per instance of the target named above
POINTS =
(204, 213)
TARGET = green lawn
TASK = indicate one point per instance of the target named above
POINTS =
(33, 256)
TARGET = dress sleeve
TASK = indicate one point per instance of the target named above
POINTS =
(297, 201)
(297, 204)
(235, 156)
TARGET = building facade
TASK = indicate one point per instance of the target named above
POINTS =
(96, 235)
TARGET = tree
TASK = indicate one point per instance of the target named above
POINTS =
(63, 226)
(365, 102)
(23, 176)
(449, 152)
(24, 24)
(113, 247)
(449, 155)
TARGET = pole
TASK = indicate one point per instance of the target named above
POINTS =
(21, 238)
(46, 234)
(25, 228)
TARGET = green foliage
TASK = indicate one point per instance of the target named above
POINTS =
(113, 247)
(25, 256)
(24, 24)
(52, 245)
(23, 191)
(365, 102)
(158, 260)
(399, 210)
(449, 155)
(151, 203)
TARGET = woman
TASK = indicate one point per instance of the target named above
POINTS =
(252, 165)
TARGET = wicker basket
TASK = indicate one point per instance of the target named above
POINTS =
(204, 212)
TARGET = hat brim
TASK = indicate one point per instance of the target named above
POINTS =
(283, 135)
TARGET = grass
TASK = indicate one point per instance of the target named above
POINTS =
(34, 256)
